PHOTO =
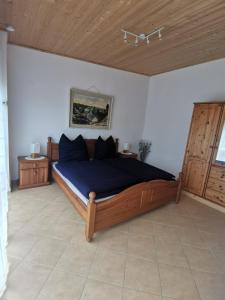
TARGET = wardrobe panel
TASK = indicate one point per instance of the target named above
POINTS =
(201, 141)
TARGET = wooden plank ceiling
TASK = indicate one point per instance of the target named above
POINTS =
(90, 30)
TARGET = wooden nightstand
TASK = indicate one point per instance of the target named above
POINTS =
(32, 173)
(128, 155)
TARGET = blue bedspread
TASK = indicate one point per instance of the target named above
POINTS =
(141, 171)
(96, 176)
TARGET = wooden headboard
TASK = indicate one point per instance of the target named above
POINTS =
(53, 148)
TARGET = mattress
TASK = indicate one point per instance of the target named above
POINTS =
(106, 177)
(75, 189)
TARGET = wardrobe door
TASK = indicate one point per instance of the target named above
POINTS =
(202, 137)
(215, 190)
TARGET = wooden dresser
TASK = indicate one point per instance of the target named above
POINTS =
(33, 173)
(204, 161)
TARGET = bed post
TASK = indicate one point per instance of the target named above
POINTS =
(91, 210)
(49, 148)
(180, 185)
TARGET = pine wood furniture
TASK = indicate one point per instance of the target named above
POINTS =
(91, 31)
(130, 155)
(33, 173)
(136, 200)
(202, 174)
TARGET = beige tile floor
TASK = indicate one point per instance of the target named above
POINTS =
(175, 252)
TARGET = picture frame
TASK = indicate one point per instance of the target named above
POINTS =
(90, 109)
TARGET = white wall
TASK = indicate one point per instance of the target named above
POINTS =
(169, 109)
(39, 84)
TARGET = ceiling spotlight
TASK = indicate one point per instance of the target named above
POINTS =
(136, 41)
(7, 27)
(125, 37)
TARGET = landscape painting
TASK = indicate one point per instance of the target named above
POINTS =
(89, 109)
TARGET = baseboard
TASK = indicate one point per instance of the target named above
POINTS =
(204, 201)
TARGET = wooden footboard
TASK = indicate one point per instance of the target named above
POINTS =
(132, 202)
(136, 200)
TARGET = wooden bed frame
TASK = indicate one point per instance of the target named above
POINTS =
(131, 202)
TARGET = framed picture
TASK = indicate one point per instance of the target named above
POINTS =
(90, 109)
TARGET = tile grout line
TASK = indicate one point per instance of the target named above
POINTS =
(157, 262)
(50, 273)
(192, 275)
(125, 266)
(86, 277)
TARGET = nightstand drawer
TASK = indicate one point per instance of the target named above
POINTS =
(33, 165)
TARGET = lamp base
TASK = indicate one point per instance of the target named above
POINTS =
(35, 155)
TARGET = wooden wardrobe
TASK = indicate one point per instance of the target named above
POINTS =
(203, 170)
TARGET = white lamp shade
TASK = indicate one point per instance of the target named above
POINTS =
(35, 148)
(126, 146)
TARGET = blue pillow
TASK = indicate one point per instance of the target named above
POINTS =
(105, 149)
(72, 150)
(111, 147)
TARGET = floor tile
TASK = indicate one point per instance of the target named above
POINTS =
(135, 295)
(213, 241)
(220, 259)
(96, 290)
(39, 225)
(140, 226)
(190, 236)
(62, 286)
(46, 252)
(62, 230)
(112, 239)
(201, 259)
(211, 286)
(14, 227)
(70, 214)
(108, 266)
(25, 282)
(166, 232)
(177, 283)
(142, 275)
(78, 236)
(77, 259)
(20, 244)
(170, 253)
(141, 246)
(13, 263)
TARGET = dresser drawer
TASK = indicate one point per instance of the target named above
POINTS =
(33, 165)
(216, 185)
(215, 196)
(217, 172)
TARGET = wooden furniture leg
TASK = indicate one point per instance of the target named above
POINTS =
(180, 185)
(91, 211)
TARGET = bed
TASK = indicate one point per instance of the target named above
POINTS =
(129, 195)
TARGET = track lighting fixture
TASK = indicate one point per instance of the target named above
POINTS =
(141, 37)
